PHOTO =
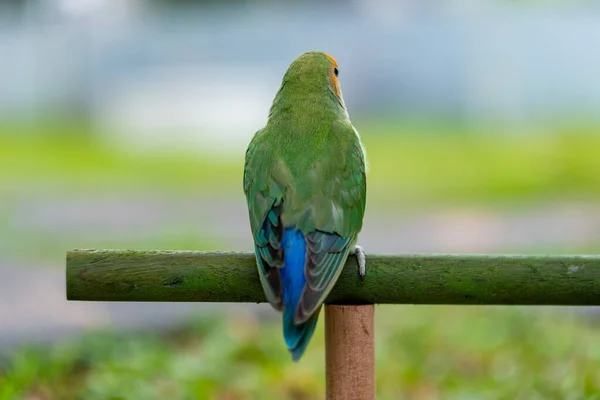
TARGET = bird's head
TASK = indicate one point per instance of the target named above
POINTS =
(314, 73)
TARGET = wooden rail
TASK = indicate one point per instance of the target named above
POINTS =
(122, 275)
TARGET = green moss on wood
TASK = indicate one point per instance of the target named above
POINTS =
(123, 275)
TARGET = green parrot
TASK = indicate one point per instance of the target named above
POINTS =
(305, 186)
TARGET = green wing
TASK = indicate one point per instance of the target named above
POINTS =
(264, 198)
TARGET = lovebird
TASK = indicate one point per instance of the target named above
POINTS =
(305, 186)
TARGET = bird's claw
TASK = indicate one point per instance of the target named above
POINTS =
(360, 257)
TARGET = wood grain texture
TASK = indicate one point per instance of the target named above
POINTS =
(350, 352)
(123, 275)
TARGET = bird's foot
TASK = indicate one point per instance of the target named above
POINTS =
(360, 257)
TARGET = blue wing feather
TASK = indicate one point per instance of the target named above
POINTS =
(297, 271)
(293, 280)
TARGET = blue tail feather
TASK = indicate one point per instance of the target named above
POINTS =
(293, 280)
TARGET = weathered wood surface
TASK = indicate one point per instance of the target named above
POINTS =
(350, 352)
(122, 275)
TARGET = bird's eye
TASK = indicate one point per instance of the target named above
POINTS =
(335, 71)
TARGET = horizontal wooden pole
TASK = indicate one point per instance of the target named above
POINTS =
(123, 275)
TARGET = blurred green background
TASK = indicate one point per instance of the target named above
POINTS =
(124, 125)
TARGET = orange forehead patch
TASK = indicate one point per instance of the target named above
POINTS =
(333, 62)
(334, 80)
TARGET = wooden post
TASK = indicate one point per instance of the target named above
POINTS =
(350, 352)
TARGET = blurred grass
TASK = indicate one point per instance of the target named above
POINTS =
(64, 164)
(422, 352)
(408, 164)
(36, 248)
(483, 166)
